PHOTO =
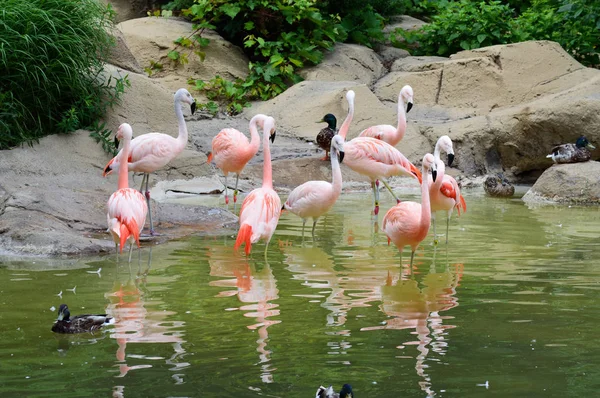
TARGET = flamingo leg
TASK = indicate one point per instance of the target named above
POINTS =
(152, 233)
(143, 179)
(130, 251)
(303, 225)
(326, 157)
(235, 192)
(313, 228)
(226, 196)
(412, 257)
(435, 241)
(117, 251)
(266, 248)
(448, 225)
(385, 183)
(375, 197)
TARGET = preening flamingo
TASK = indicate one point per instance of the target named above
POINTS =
(388, 133)
(407, 223)
(127, 207)
(152, 151)
(326, 134)
(374, 158)
(231, 151)
(444, 192)
(261, 209)
(315, 198)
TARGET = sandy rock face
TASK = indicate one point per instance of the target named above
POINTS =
(576, 183)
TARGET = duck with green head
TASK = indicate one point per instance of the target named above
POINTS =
(345, 392)
(325, 135)
(79, 323)
(572, 153)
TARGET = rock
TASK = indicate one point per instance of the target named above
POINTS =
(404, 22)
(129, 9)
(151, 39)
(120, 55)
(347, 62)
(418, 64)
(573, 183)
(389, 55)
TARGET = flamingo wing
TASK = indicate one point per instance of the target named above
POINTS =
(310, 198)
(380, 153)
(379, 132)
(127, 210)
(450, 189)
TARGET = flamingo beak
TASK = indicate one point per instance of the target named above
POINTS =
(434, 174)
(409, 106)
(341, 156)
(450, 159)
(193, 107)
(272, 137)
(116, 142)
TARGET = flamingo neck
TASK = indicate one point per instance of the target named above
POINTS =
(336, 172)
(255, 137)
(124, 166)
(425, 203)
(401, 129)
(267, 171)
(182, 137)
(346, 124)
(436, 152)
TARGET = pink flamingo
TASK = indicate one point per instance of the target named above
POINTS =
(388, 133)
(231, 151)
(127, 207)
(444, 192)
(374, 158)
(261, 209)
(315, 198)
(152, 151)
(407, 223)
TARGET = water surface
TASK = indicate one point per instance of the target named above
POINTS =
(510, 307)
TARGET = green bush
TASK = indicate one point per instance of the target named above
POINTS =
(51, 57)
(462, 25)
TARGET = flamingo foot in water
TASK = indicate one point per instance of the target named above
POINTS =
(235, 193)
(226, 200)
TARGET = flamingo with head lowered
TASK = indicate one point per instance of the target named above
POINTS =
(444, 192)
(152, 151)
(374, 158)
(261, 209)
(231, 151)
(407, 223)
(127, 207)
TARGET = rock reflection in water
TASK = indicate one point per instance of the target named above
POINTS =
(255, 287)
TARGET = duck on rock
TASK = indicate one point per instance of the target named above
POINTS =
(572, 153)
(79, 323)
(325, 135)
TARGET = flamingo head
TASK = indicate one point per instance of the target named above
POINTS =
(269, 124)
(330, 120)
(182, 95)
(429, 165)
(406, 96)
(337, 146)
(125, 132)
(445, 143)
(350, 96)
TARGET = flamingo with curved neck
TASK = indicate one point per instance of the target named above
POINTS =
(388, 133)
(315, 198)
(407, 223)
(231, 151)
(127, 207)
(152, 151)
(374, 158)
(261, 209)
(445, 192)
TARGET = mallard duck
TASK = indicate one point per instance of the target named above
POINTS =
(498, 185)
(572, 153)
(325, 135)
(79, 323)
(345, 392)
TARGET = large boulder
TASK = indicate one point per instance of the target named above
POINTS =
(151, 39)
(573, 183)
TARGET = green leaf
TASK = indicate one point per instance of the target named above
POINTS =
(249, 25)
(174, 55)
(296, 62)
(231, 10)
(481, 38)
(465, 45)
(260, 41)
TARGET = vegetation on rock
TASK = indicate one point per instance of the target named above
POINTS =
(51, 57)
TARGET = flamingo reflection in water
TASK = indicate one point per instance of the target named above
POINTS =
(134, 323)
(414, 307)
(256, 289)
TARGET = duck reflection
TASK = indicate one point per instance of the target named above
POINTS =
(414, 305)
(255, 287)
(134, 323)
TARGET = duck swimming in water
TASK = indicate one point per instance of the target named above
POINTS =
(345, 392)
(498, 185)
(572, 153)
(79, 323)
(325, 135)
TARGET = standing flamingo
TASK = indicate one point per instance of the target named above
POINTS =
(374, 158)
(407, 223)
(444, 192)
(315, 198)
(261, 209)
(152, 151)
(127, 207)
(388, 133)
(231, 151)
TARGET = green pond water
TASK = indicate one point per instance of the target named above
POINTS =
(509, 308)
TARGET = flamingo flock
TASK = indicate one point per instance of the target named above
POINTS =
(372, 153)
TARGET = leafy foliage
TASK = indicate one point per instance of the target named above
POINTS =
(51, 57)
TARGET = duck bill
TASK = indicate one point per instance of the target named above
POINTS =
(434, 174)
(590, 146)
(409, 106)
(193, 107)
(272, 137)
(341, 157)
(450, 159)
